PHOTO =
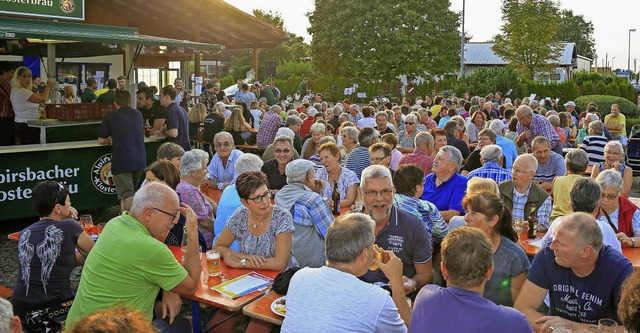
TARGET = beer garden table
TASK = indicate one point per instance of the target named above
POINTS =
(205, 295)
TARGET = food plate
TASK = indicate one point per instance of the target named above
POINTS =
(278, 306)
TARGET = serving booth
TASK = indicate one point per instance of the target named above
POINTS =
(145, 34)
(69, 152)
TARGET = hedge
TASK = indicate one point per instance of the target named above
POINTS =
(604, 102)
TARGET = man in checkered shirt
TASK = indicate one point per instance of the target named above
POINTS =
(491, 158)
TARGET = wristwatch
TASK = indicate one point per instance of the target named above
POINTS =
(633, 241)
(414, 285)
(243, 263)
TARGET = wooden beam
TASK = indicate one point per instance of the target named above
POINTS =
(255, 63)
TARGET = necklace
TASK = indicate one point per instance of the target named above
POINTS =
(255, 226)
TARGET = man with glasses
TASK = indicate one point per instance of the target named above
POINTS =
(520, 193)
(421, 156)
(380, 153)
(396, 230)
(550, 163)
(531, 125)
(311, 214)
(131, 263)
(445, 187)
(121, 129)
(283, 154)
(221, 167)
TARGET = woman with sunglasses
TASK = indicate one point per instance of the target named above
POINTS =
(406, 137)
(47, 256)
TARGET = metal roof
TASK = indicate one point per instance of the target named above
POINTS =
(481, 54)
(13, 28)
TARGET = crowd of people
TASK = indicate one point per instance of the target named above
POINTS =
(441, 185)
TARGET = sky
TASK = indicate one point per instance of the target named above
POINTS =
(611, 20)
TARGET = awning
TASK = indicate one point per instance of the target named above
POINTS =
(13, 28)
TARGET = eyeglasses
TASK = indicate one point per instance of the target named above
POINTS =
(520, 118)
(409, 123)
(223, 145)
(173, 216)
(282, 151)
(614, 153)
(609, 196)
(55, 199)
(484, 138)
(377, 159)
(374, 194)
(258, 199)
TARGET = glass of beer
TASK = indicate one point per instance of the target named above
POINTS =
(213, 262)
(87, 223)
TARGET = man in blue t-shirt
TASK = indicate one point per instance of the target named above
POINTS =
(396, 230)
(467, 266)
(123, 130)
(445, 187)
(581, 275)
(177, 122)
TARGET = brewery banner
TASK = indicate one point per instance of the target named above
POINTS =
(63, 9)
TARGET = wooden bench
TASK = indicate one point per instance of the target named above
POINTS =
(252, 149)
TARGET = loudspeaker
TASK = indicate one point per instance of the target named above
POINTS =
(270, 68)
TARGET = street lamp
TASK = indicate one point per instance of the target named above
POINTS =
(612, 59)
(629, 54)
(462, 44)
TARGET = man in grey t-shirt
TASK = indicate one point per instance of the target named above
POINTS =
(334, 291)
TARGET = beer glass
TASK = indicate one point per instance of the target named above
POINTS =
(607, 325)
(562, 327)
(213, 262)
(87, 223)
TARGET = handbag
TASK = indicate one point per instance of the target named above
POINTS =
(47, 320)
(281, 282)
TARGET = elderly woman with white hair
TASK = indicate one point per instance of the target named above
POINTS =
(310, 147)
(193, 173)
(230, 200)
(348, 139)
(614, 160)
(618, 211)
(406, 136)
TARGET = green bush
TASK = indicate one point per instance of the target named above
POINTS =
(226, 81)
(604, 102)
(629, 122)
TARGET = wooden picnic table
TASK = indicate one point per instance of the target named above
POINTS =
(261, 309)
(632, 253)
(205, 295)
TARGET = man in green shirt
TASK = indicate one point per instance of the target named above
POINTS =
(131, 263)
(89, 93)
(107, 97)
(267, 93)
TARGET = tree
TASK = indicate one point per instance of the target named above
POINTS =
(529, 36)
(381, 40)
(574, 29)
(291, 55)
